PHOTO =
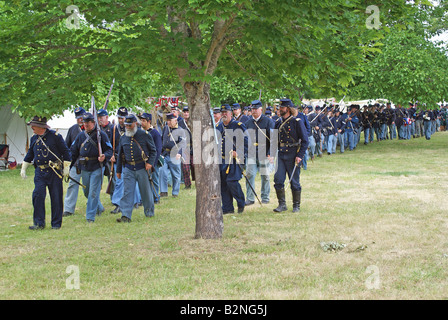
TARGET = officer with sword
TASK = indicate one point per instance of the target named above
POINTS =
(51, 158)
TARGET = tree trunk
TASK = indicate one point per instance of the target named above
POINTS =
(209, 218)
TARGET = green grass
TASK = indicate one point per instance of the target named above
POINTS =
(386, 201)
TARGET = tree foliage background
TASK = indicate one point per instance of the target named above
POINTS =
(410, 66)
(53, 58)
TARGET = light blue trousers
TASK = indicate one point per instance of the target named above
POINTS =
(71, 197)
(131, 180)
(251, 172)
(93, 182)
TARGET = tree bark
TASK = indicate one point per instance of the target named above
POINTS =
(209, 218)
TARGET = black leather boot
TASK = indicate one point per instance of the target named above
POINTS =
(281, 200)
(296, 195)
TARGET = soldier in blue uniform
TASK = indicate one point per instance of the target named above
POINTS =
(136, 156)
(419, 124)
(238, 115)
(105, 124)
(340, 129)
(390, 121)
(71, 196)
(352, 122)
(173, 142)
(119, 132)
(366, 124)
(330, 132)
(108, 128)
(427, 118)
(315, 123)
(399, 113)
(217, 115)
(358, 127)
(292, 145)
(412, 116)
(376, 123)
(187, 165)
(311, 116)
(383, 122)
(259, 127)
(46, 147)
(85, 150)
(234, 150)
(146, 120)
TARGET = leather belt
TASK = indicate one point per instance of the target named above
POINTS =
(133, 163)
(282, 145)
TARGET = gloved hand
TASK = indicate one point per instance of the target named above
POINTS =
(66, 171)
(23, 170)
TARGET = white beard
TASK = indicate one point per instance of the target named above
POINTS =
(131, 132)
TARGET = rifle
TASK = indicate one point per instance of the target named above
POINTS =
(108, 95)
(351, 124)
(318, 114)
(98, 130)
(111, 183)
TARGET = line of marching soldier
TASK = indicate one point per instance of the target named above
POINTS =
(141, 161)
(331, 127)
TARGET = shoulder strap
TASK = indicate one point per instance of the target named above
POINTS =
(88, 138)
(42, 140)
(144, 156)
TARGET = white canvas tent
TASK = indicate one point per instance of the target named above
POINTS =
(61, 124)
(14, 132)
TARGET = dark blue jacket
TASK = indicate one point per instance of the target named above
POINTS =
(157, 138)
(390, 116)
(328, 127)
(87, 149)
(340, 123)
(306, 122)
(257, 137)
(40, 155)
(235, 145)
(352, 124)
(72, 134)
(292, 137)
(242, 118)
(134, 152)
